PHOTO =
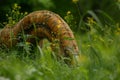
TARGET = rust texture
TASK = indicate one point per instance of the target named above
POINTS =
(42, 24)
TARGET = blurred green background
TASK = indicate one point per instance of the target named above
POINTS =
(80, 9)
(98, 25)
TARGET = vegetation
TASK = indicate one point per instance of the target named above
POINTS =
(97, 33)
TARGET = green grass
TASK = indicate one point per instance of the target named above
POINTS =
(99, 61)
(99, 48)
(39, 68)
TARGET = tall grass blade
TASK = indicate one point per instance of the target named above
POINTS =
(94, 16)
(106, 15)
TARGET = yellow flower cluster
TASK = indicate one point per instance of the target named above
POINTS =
(75, 1)
(90, 20)
(15, 6)
(15, 15)
(68, 12)
(70, 18)
(27, 43)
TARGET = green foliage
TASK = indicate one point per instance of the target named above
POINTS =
(105, 12)
(70, 19)
(99, 46)
(14, 15)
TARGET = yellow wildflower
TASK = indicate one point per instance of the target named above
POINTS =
(27, 43)
(75, 1)
(91, 20)
(15, 5)
(26, 13)
(69, 12)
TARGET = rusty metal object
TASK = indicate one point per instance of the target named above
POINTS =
(47, 25)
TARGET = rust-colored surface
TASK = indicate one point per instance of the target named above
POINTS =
(42, 24)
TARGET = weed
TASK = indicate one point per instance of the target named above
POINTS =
(100, 58)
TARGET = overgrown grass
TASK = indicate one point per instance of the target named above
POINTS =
(99, 61)
(100, 58)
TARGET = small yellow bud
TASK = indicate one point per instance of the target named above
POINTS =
(26, 13)
(27, 43)
(75, 1)
(68, 12)
(15, 5)
(91, 20)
